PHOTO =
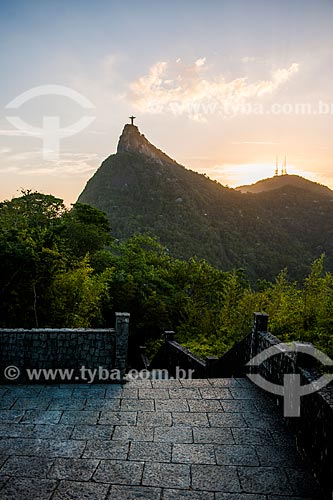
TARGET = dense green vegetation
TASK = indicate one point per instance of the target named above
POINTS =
(62, 268)
(193, 215)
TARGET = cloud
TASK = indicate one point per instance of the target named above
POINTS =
(29, 163)
(247, 59)
(256, 142)
(200, 62)
(104, 86)
(12, 133)
(4, 150)
(186, 90)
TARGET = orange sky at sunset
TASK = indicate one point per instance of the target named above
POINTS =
(222, 87)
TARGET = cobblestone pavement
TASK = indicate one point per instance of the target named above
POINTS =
(216, 439)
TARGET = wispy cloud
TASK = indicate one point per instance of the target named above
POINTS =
(29, 163)
(4, 151)
(12, 133)
(105, 86)
(248, 59)
(263, 143)
(189, 90)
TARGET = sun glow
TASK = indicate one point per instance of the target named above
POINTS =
(248, 173)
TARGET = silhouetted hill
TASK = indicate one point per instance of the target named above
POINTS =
(280, 181)
(143, 190)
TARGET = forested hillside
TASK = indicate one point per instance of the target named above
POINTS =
(142, 191)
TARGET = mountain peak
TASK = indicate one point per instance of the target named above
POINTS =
(132, 141)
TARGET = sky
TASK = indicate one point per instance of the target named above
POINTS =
(222, 86)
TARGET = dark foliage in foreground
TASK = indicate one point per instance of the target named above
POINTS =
(62, 268)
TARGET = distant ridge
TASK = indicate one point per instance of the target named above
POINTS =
(280, 181)
(142, 190)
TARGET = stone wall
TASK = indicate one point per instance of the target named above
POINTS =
(64, 348)
(314, 427)
(172, 355)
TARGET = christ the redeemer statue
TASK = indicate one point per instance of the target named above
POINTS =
(132, 118)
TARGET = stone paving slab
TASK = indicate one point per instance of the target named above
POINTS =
(198, 405)
(51, 431)
(215, 478)
(156, 418)
(187, 495)
(155, 452)
(41, 417)
(32, 404)
(112, 404)
(135, 493)
(174, 405)
(10, 430)
(7, 402)
(17, 466)
(76, 490)
(236, 455)
(212, 435)
(27, 488)
(168, 475)
(104, 449)
(156, 394)
(233, 406)
(206, 439)
(184, 393)
(119, 472)
(118, 417)
(265, 480)
(80, 417)
(190, 419)
(133, 433)
(77, 469)
(92, 432)
(193, 454)
(67, 403)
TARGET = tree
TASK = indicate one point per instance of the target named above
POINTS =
(85, 230)
(40, 242)
(27, 229)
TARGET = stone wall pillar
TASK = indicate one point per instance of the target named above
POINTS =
(122, 323)
(169, 335)
(260, 322)
(210, 366)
